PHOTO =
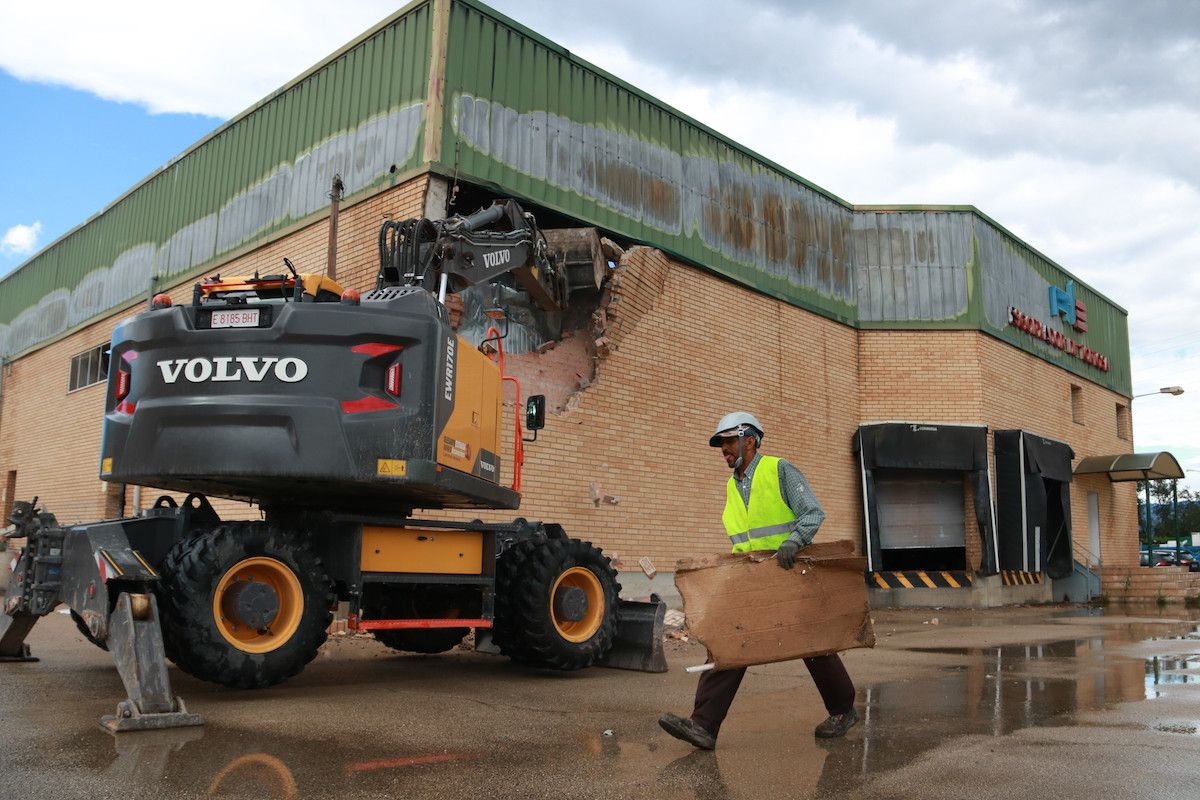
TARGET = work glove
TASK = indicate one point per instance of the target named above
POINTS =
(785, 556)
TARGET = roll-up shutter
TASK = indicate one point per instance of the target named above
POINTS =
(920, 508)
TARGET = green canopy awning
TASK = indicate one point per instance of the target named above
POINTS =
(1132, 466)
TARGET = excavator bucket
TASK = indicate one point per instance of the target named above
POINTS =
(579, 252)
(639, 641)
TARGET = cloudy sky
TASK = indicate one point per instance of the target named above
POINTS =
(1074, 124)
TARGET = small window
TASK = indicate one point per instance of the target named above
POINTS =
(89, 368)
(1077, 403)
(1123, 426)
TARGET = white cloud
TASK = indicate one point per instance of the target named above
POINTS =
(20, 240)
(216, 59)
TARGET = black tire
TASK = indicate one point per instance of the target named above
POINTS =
(191, 575)
(422, 640)
(87, 634)
(525, 627)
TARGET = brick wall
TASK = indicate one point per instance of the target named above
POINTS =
(50, 437)
(970, 377)
(687, 348)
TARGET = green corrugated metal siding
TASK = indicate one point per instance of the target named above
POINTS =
(1012, 274)
(523, 114)
(259, 173)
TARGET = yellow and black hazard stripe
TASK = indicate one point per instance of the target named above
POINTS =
(921, 579)
(1015, 577)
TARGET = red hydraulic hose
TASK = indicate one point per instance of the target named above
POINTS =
(493, 336)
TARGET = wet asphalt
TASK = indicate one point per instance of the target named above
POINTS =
(1062, 702)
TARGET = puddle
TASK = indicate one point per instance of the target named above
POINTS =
(995, 691)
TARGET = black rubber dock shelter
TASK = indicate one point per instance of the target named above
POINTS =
(1033, 503)
(913, 483)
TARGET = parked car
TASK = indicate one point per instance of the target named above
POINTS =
(1166, 557)
(1188, 558)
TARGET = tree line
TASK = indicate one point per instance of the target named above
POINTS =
(1163, 518)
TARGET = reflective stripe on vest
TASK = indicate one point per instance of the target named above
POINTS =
(768, 521)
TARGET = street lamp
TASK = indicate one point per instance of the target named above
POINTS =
(1171, 390)
(1175, 390)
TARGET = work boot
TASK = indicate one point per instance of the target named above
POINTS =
(687, 731)
(837, 725)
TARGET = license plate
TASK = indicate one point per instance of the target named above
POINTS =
(247, 318)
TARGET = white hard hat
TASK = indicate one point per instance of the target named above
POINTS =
(735, 424)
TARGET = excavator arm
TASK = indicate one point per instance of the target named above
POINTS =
(458, 252)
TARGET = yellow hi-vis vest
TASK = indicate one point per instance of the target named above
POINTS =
(767, 523)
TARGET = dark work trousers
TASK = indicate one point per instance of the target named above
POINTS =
(716, 689)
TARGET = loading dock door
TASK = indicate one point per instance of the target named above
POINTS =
(922, 524)
(909, 473)
(920, 508)
(1033, 503)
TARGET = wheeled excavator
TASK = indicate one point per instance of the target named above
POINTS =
(340, 414)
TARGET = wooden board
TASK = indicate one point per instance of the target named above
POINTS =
(748, 611)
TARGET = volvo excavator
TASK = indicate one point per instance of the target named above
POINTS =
(341, 415)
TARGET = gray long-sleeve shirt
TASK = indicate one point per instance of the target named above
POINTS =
(797, 495)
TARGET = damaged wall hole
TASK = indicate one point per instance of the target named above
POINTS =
(551, 353)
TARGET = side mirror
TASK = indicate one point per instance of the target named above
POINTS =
(535, 412)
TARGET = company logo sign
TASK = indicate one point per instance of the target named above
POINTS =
(1055, 338)
(448, 387)
(497, 258)
(227, 368)
(1064, 304)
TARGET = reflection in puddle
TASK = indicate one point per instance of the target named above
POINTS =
(247, 764)
(1165, 670)
(998, 690)
(259, 774)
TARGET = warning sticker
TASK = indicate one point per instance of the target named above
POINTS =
(454, 447)
(106, 466)
(392, 467)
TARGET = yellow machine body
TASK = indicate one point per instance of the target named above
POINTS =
(439, 552)
(470, 440)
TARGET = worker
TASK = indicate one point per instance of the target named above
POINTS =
(768, 506)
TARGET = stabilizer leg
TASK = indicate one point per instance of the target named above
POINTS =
(13, 631)
(135, 641)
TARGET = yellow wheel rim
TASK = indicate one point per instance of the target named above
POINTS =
(583, 629)
(279, 630)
